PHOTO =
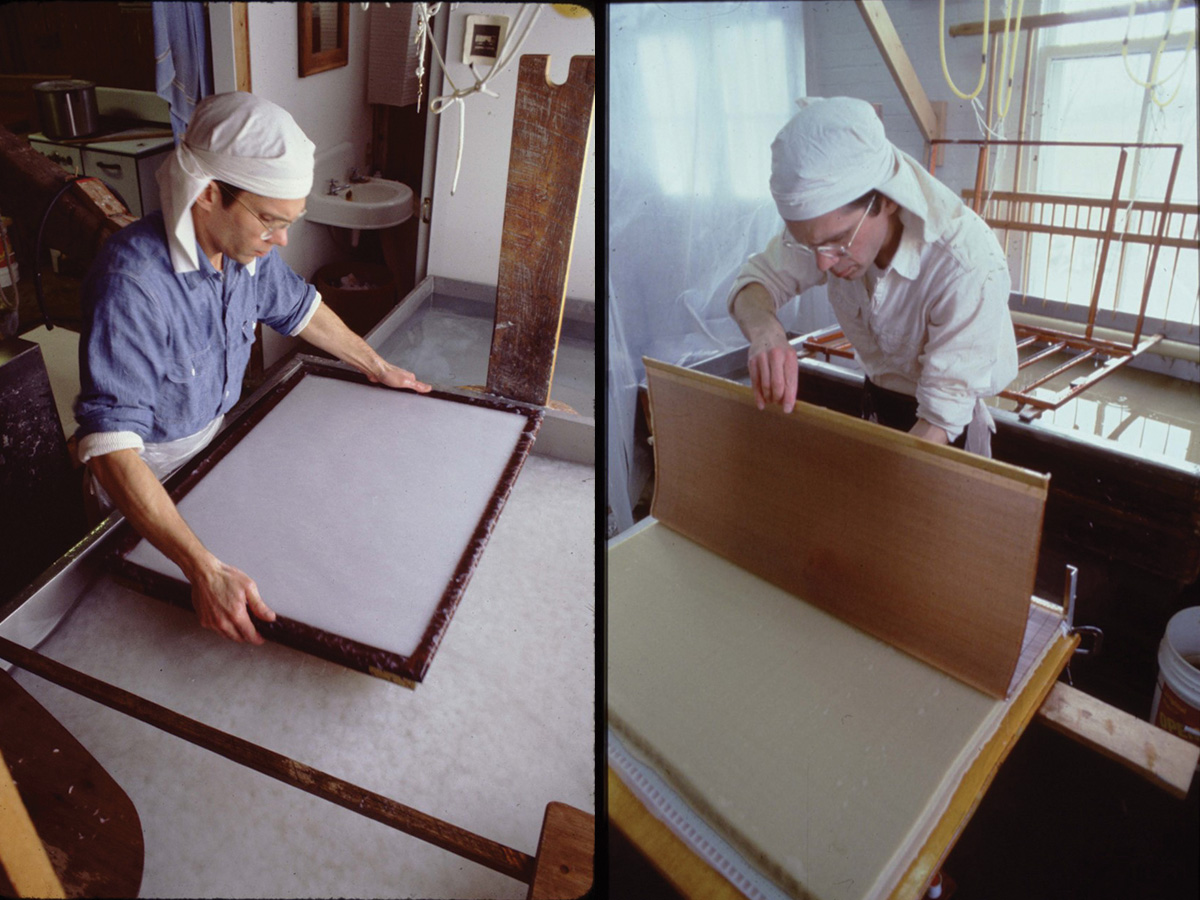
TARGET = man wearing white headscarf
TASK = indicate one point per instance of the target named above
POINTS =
(920, 284)
(170, 307)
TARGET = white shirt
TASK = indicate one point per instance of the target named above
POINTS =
(936, 325)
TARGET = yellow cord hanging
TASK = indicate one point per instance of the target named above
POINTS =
(1002, 109)
(1153, 83)
(942, 50)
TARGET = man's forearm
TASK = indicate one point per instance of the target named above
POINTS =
(326, 331)
(754, 311)
(145, 503)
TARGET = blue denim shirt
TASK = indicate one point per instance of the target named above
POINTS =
(163, 354)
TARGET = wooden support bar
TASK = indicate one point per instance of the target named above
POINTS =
(1159, 235)
(1082, 357)
(1075, 341)
(1051, 20)
(1110, 366)
(551, 127)
(891, 48)
(241, 45)
(463, 843)
(1042, 354)
(1106, 241)
(1161, 757)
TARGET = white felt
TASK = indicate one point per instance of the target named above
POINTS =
(818, 750)
(502, 724)
(350, 505)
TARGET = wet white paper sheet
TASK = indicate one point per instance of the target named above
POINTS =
(351, 505)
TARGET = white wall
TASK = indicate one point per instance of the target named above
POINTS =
(331, 107)
(844, 61)
(466, 227)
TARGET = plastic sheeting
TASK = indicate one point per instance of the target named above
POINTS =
(697, 94)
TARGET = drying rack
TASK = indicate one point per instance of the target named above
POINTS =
(1103, 225)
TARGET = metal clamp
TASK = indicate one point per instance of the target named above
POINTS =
(1096, 634)
(1097, 640)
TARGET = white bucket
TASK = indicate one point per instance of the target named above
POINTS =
(1177, 697)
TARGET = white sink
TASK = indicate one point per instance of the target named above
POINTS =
(374, 203)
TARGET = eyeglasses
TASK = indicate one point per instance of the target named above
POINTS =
(270, 230)
(837, 250)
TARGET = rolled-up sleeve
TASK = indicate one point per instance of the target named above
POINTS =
(970, 349)
(285, 301)
(784, 272)
(120, 357)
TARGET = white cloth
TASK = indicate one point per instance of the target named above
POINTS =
(830, 153)
(936, 325)
(240, 139)
(162, 458)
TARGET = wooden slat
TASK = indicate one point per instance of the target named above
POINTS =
(241, 45)
(891, 48)
(1157, 755)
(551, 128)
(563, 868)
(906, 530)
(459, 841)
(21, 852)
(1052, 20)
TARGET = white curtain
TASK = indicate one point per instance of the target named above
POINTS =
(697, 93)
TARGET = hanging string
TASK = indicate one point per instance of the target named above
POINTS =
(942, 50)
(505, 54)
(1153, 84)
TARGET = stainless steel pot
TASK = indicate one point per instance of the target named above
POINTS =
(67, 107)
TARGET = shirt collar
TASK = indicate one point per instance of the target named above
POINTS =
(205, 268)
(907, 261)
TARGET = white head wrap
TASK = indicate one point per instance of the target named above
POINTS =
(831, 152)
(240, 139)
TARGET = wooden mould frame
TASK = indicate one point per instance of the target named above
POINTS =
(404, 670)
(1027, 212)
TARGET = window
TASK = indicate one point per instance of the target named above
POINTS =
(1087, 94)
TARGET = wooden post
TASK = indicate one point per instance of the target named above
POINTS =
(241, 45)
(551, 128)
(891, 48)
(565, 861)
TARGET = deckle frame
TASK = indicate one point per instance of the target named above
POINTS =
(929, 548)
(405, 670)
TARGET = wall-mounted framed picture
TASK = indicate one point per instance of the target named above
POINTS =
(324, 36)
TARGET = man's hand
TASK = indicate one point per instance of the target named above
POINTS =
(394, 376)
(773, 369)
(224, 597)
(221, 594)
(773, 365)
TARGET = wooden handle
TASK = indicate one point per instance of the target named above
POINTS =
(21, 851)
